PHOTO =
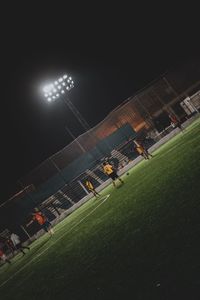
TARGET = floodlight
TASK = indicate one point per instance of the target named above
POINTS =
(58, 89)
(55, 90)
(48, 88)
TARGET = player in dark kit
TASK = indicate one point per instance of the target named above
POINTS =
(175, 122)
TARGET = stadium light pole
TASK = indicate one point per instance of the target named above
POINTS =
(59, 90)
(79, 144)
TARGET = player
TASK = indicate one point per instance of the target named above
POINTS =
(110, 172)
(10, 245)
(4, 257)
(91, 188)
(142, 151)
(41, 219)
(175, 122)
(17, 243)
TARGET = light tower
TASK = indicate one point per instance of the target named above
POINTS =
(60, 89)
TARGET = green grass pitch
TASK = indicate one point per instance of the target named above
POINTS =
(143, 242)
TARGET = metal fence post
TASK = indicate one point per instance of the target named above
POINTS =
(83, 187)
(26, 232)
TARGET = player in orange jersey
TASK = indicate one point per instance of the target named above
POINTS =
(41, 219)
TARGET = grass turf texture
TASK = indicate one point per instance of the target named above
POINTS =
(141, 243)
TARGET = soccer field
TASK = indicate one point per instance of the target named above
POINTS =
(141, 242)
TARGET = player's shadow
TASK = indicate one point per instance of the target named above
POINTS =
(41, 245)
(119, 186)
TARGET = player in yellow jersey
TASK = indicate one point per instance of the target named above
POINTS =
(91, 188)
(141, 150)
(110, 172)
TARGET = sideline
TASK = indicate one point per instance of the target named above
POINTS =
(53, 243)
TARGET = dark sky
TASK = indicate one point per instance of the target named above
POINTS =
(109, 55)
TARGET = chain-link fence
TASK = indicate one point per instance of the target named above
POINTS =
(59, 182)
(146, 113)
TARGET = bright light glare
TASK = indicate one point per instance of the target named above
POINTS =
(48, 88)
(55, 90)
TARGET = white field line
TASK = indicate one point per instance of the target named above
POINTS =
(45, 250)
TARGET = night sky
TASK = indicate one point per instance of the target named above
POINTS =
(110, 56)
